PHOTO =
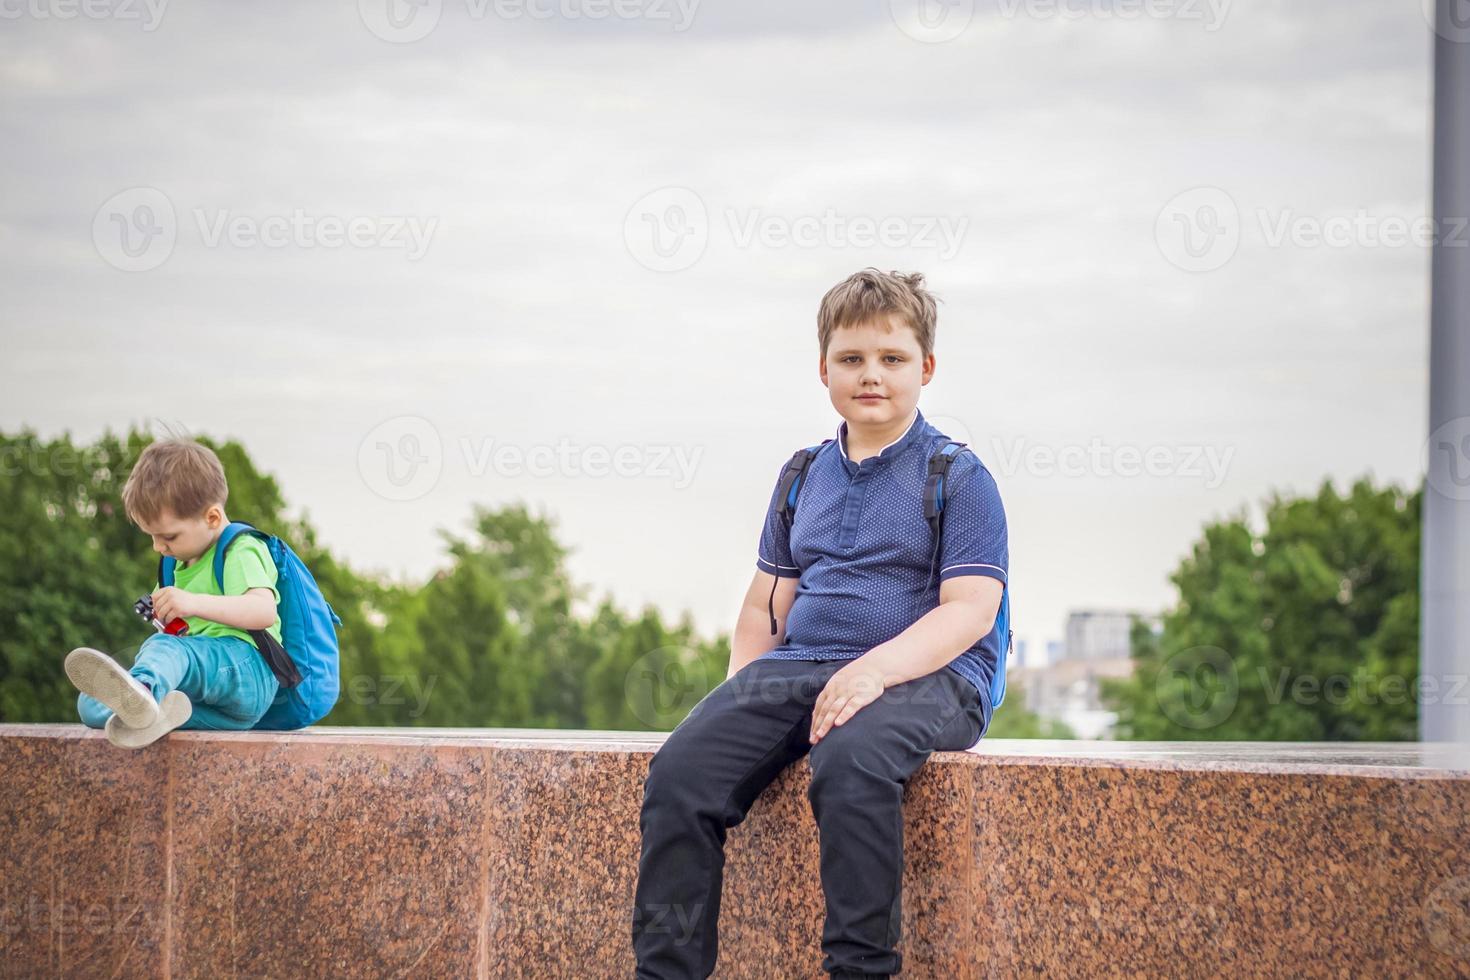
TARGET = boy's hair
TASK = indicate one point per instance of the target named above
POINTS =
(870, 293)
(179, 475)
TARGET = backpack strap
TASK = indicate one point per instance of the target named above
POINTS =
(934, 483)
(790, 483)
(226, 538)
(270, 648)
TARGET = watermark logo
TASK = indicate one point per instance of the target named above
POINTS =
(1198, 687)
(300, 229)
(932, 21)
(1450, 19)
(406, 21)
(1198, 230)
(942, 234)
(401, 459)
(135, 230)
(1207, 464)
(664, 685)
(1446, 459)
(1201, 229)
(676, 463)
(400, 21)
(667, 230)
(149, 13)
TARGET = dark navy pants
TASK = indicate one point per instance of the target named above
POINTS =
(709, 771)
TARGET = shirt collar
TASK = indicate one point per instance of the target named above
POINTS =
(889, 451)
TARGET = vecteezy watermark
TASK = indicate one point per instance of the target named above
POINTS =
(1450, 19)
(1362, 687)
(1210, 14)
(569, 459)
(1198, 230)
(1446, 917)
(1446, 459)
(1199, 924)
(148, 13)
(932, 21)
(136, 230)
(665, 918)
(402, 459)
(1361, 229)
(665, 685)
(1201, 229)
(391, 691)
(669, 229)
(1197, 687)
(406, 21)
(1207, 464)
(937, 21)
(122, 914)
(942, 233)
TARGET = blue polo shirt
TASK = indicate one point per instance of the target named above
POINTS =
(861, 549)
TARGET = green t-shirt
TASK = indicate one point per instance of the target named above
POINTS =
(248, 565)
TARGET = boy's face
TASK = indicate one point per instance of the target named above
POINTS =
(184, 538)
(874, 370)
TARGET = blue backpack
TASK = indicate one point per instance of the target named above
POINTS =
(939, 463)
(307, 664)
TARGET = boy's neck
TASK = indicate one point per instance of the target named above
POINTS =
(212, 542)
(863, 442)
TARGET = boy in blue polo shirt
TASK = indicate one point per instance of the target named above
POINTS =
(888, 653)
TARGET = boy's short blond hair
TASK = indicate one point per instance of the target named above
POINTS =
(870, 294)
(178, 475)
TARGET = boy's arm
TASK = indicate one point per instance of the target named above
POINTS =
(753, 626)
(967, 609)
(253, 610)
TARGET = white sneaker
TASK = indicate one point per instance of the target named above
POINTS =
(97, 674)
(173, 711)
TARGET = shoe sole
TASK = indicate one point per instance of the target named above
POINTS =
(97, 674)
(173, 711)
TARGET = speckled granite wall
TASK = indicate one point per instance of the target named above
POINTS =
(498, 854)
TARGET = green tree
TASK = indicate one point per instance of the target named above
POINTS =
(1307, 631)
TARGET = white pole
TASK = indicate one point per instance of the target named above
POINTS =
(1444, 652)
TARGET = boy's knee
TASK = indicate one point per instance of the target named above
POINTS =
(160, 644)
(674, 770)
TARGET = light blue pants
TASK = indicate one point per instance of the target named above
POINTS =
(225, 677)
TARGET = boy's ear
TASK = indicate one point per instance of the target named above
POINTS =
(822, 370)
(214, 517)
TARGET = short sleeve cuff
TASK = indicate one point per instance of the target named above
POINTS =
(780, 571)
(973, 568)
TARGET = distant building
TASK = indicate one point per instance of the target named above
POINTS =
(1098, 635)
(1068, 686)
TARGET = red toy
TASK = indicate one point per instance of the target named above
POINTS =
(144, 607)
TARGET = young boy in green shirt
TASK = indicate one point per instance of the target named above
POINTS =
(214, 676)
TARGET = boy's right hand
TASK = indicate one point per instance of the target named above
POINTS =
(171, 603)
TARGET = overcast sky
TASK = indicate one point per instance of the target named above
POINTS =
(389, 248)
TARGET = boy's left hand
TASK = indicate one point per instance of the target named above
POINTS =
(171, 603)
(854, 686)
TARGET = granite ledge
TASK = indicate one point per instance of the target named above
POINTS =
(1387, 760)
